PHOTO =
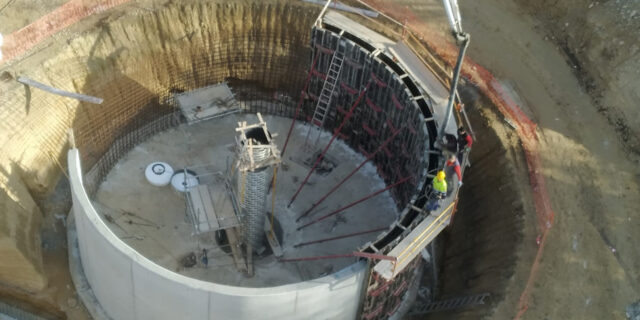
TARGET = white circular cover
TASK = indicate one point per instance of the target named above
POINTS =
(159, 173)
(182, 184)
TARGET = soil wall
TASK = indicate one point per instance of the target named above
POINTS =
(134, 58)
(600, 39)
(484, 244)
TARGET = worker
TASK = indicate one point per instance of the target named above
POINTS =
(464, 140)
(204, 258)
(439, 188)
(452, 163)
(450, 143)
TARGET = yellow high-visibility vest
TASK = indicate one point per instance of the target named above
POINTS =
(440, 186)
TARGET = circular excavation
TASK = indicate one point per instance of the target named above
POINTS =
(308, 189)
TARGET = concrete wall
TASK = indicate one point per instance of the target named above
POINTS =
(130, 286)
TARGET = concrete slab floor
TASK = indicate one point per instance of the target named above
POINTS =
(153, 220)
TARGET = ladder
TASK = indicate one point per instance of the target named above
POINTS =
(449, 304)
(324, 100)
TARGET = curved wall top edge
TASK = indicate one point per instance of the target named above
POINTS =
(77, 189)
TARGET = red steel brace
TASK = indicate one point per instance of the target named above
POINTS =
(356, 202)
(293, 121)
(368, 129)
(397, 103)
(350, 90)
(344, 121)
(373, 105)
(369, 157)
(379, 82)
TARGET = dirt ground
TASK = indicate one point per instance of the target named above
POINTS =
(590, 268)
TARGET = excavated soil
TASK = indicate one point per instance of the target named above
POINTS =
(590, 268)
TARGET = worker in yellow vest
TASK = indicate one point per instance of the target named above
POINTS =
(439, 186)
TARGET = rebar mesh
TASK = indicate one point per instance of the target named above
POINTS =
(253, 206)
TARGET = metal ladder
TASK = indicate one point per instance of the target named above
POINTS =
(324, 100)
(449, 304)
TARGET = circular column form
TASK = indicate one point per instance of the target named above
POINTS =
(158, 173)
(183, 180)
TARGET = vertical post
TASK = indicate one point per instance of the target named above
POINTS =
(72, 138)
(249, 259)
(273, 198)
(404, 29)
(293, 121)
(322, 12)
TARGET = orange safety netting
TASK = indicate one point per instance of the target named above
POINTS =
(20, 41)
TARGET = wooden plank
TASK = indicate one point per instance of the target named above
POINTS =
(236, 250)
(413, 243)
(202, 209)
(211, 219)
(271, 238)
(227, 218)
(249, 259)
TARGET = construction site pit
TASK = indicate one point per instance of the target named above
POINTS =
(139, 60)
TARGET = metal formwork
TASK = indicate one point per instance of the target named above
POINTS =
(253, 206)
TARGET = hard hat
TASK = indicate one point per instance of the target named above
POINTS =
(440, 176)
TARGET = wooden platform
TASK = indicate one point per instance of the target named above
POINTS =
(413, 243)
(204, 216)
(207, 103)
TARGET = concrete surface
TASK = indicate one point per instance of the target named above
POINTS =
(206, 147)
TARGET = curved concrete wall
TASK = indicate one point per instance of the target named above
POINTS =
(130, 286)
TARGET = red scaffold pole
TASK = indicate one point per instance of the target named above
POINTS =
(355, 203)
(293, 121)
(339, 237)
(384, 144)
(335, 134)
(333, 256)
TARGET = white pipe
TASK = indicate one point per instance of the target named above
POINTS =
(453, 13)
(42, 86)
